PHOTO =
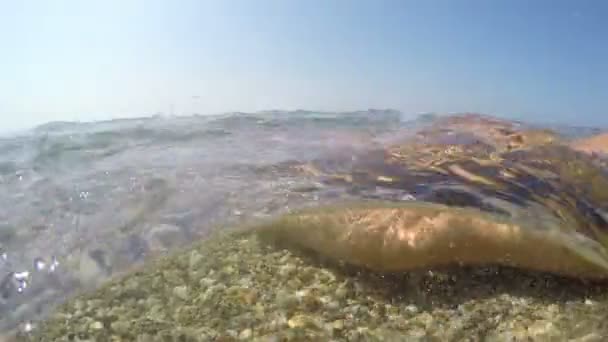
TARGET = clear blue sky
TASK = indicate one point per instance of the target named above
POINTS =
(87, 60)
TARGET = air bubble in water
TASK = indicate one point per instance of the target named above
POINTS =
(22, 279)
(21, 275)
(27, 327)
(39, 264)
(54, 264)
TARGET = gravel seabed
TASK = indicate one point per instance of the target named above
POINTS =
(234, 287)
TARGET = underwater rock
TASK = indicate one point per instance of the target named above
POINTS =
(413, 235)
(594, 144)
(481, 190)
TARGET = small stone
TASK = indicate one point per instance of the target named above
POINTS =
(300, 294)
(96, 325)
(338, 324)
(206, 282)
(181, 292)
(286, 300)
(553, 309)
(120, 327)
(311, 303)
(278, 322)
(144, 338)
(302, 321)
(543, 329)
(172, 277)
(341, 293)
(362, 330)
(425, 319)
(411, 309)
(132, 284)
(246, 334)
(416, 335)
(249, 297)
(157, 312)
(228, 270)
(195, 259)
(588, 301)
(333, 306)
(287, 270)
(383, 334)
(79, 304)
(592, 337)
(284, 259)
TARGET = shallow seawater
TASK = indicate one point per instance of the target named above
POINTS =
(137, 209)
(81, 202)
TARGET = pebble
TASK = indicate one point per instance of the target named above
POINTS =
(426, 319)
(286, 300)
(287, 270)
(338, 324)
(332, 306)
(302, 321)
(543, 329)
(206, 282)
(246, 334)
(228, 270)
(97, 325)
(341, 293)
(181, 292)
(592, 337)
(411, 309)
(79, 305)
(172, 277)
(120, 327)
(195, 259)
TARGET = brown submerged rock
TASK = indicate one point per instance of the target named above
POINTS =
(501, 134)
(487, 191)
(410, 236)
(595, 144)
